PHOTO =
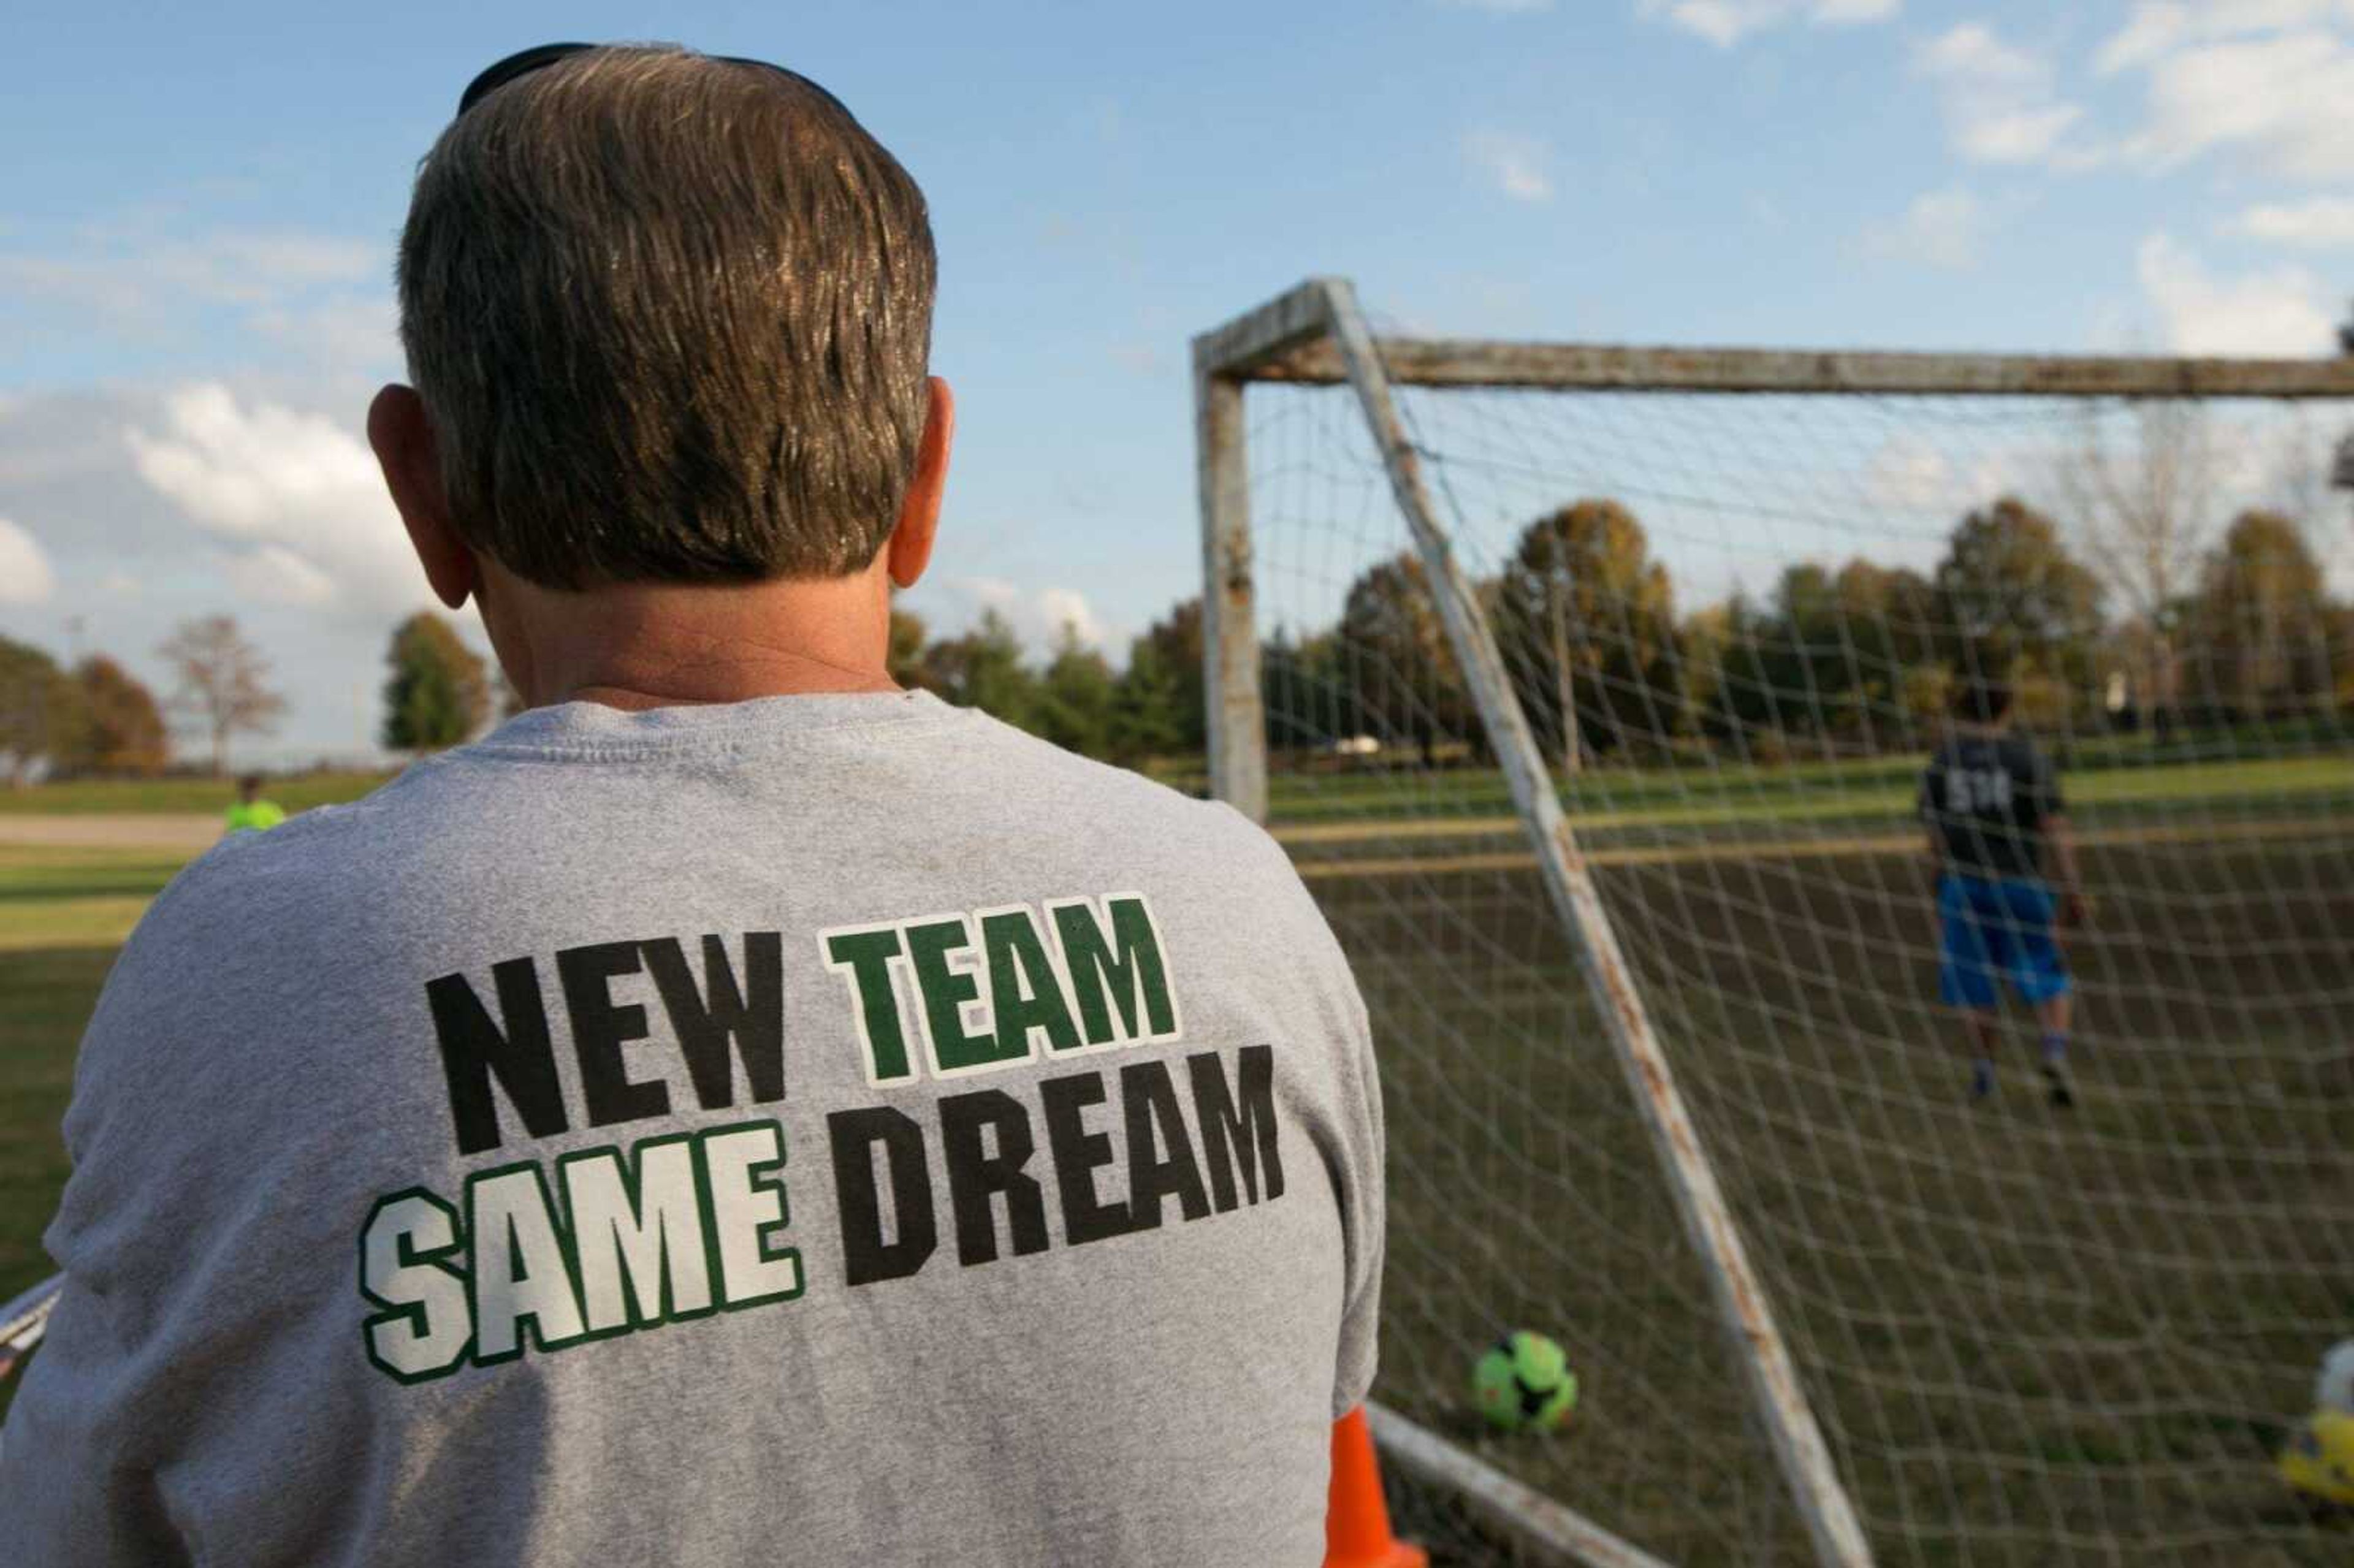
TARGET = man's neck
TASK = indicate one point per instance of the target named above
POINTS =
(650, 645)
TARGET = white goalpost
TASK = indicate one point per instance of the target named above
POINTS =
(1589, 687)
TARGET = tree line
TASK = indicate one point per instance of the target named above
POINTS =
(2140, 632)
(1859, 654)
(95, 719)
(1862, 653)
(1152, 707)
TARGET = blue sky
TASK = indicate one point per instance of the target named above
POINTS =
(196, 219)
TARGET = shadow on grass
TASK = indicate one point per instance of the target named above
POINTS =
(131, 882)
(50, 993)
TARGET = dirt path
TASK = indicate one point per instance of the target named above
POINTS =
(189, 832)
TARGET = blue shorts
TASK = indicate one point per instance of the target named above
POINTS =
(1996, 929)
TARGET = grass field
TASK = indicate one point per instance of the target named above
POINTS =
(82, 797)
(1748, 796)
(2054, 1339)
(63, 913)
(2067, 1340)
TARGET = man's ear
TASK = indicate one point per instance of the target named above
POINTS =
(404, 450)
(910, 549)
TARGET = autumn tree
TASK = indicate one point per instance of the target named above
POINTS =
(1402, 674)
(1887, 617)
(1858, 652)
(2261, 620)
(124, 731)
(439, 693)
(1585, 620)
(2011, 600)
(1704, 640)
(41, 712)
(223, 683)
(1840, 648)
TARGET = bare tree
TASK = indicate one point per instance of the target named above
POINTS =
(2308, 471)
(223, 683)
(2143, 505)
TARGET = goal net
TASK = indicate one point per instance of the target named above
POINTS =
(1735, 624)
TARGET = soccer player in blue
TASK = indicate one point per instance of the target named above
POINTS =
(1997, 830)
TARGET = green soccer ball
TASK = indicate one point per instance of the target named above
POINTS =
(1523, 1383)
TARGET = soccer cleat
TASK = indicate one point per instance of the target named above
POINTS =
(2064, 1092)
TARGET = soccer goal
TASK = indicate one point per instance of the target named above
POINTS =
(1591, 689)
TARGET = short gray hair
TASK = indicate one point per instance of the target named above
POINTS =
(669, 317)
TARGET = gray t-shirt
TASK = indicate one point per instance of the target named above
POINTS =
(813, 1130)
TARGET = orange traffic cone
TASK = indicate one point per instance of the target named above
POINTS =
(1356, 1520)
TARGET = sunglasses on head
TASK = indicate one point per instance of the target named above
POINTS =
(524, 61)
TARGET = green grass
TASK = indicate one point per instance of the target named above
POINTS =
(1857, 791)
(63, 913)
(153, 797)
(2032, 1339)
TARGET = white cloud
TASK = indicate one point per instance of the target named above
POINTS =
(2280, 312)
(347, 330)
(276, 575)
(1908, 475)
(1942, 228)
(25, 574)
(138, 274)
(1999, 101)
(296, 496)
(131, 559)
(1501, 7)
(1512, 164)
(2156, 28)
(157, 289)
(2323, 223)
(2282, 104)
(2269, 82)
(1725, 22)
(1143, 357)
(1036, 615)
(2148, 33)
(1064, 607)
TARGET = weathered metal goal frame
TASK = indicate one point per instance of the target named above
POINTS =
(1315, 334)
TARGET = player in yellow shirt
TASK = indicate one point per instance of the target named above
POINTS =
(252, 815)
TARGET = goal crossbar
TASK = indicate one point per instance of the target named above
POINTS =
(1284, 341)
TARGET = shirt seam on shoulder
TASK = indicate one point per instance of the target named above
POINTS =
(729, 740)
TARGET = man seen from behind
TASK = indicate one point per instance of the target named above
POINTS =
(739, 1111)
